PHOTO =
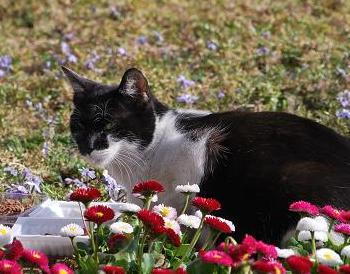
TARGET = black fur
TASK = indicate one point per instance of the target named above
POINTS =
(257, 163)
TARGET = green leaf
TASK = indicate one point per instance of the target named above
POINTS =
(202, 268)
(147, 263)
(181, 250)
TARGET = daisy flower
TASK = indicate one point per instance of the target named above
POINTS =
(304, 236)
(128, 208)
(333, 213)
(284, 253)
(36, 257)
(206, 205)
(165, 211)
(6, 235)
(14, 250)
(311, 224)
(150, 218)
(113, 269)
(346, 251)
(328, 257)
(187, 189)
(147, 188)
(304, 207)
(299, 264)
(267, 266)
(216, 257)
(173, 237)
(99, 214)
(323, 269)
(121, 228)
(174, 225)
(10, 267)
(336, 238)
(60, 268)
(85, 194)
(72, 230)
(343, 228)
(190, 221)
(198, 214)
(219, 224)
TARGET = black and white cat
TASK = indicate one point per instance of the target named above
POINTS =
(256, 164)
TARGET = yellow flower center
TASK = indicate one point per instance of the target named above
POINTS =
(277, 270)
(328, 256)
(99, 214)
(62, 271)
(36, 255)
(165, 211)
(217, 256)
(73, 229)
(7, 266)
(3, 231)
(245, 257)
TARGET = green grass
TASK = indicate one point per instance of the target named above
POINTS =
(307, 41)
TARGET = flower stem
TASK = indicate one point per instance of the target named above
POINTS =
(214, 241)
(148, 202)
(313, 244)
(207, 240)
(186, 203)
(140, 251)
(82, 217)
(93, 242)
(331, 225)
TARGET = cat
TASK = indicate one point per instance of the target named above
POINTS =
(254, 163)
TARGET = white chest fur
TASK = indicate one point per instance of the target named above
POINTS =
(171, 158)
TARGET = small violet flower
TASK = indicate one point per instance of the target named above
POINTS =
(212, 46)
(343, 113)
(187, 99)
(11, 170)
(142, 40)
(262, 51)
(344, 98)
(85, 172)
(184, 82)
(121, 51)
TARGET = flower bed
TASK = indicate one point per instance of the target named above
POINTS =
(156, 239)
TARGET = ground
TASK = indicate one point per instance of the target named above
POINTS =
(286, 55)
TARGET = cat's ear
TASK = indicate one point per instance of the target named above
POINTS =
(134, 84)
(80, 84)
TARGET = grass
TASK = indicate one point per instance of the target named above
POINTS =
(284, 55)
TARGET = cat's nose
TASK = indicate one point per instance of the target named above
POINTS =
(100, 142)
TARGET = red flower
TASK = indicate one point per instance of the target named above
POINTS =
(36, 257)
(61, 268)
(173, 237)
(323, 269)
(344, 269)
(345, 215)
(206, 204)
(343, 228)
(253, 246)
(14, 250)
(217, 224)
(9, 267)
(267, 266)
(228, 248)
(150, 219)
(85, 194)
(99, 214)
(333, 212)
(113, 269)
(304, 207)
(2, 254)
(115, 240)
(147, 188)
(216, 257)
(299, 264)
(168, 271)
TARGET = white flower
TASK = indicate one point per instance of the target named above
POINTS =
(328, 257)
(127, 207)
(199, 214)
(190, 221)
(6, 236)
(284, 253)
(346, 251)
(304, 236)
(174, 225)
(313, 224)
(187, 188)
(121, 228)
(165, 211)
(71, 230)
(336, 238)
(229, 223)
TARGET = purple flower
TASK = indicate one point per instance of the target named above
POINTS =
(185, 83)
(115, 13)
(75, 182)
(17, 189)
(344, 98)
(187, 99)
(65, 48)
(11, 170)
(121, 51)
(212, 46)
(141, 40)
(34, 182)
(2, 73)
(93, 59)
(85, 172)
(5, 62)
(262, 51)
(343, 113)
(159, 37)
(112, 186)
(221, 94)
(72, 58)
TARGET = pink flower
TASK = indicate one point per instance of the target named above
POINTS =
(253, 246)
(216, 257)
(266, 266)
(304, 207)
(36, 257)
(333, 213)
(60, 268)
(9, 267)
(343, 228)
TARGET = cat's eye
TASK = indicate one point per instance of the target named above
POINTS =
(109, 126)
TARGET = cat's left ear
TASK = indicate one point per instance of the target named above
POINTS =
(134, 84)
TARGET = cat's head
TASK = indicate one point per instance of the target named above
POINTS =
(109, 118)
